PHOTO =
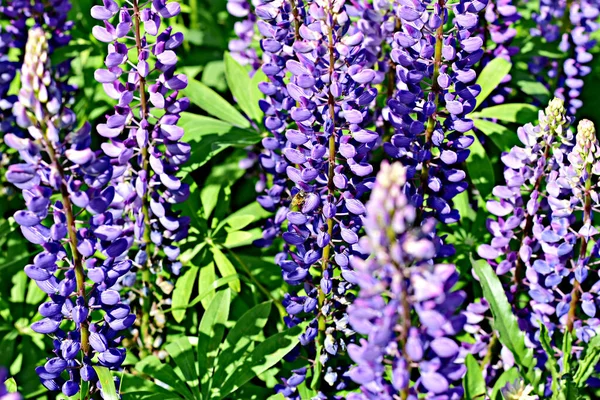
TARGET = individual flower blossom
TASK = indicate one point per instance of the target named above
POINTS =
(144, 143)
(435, 76)
(570, 26)
(65, 185)
(4, 394)
(518, 391)
(241, 47)
(405, 308)
(318, 155)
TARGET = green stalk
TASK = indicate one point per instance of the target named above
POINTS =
(147, 242)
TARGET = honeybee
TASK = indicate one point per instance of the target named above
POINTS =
(299, 199)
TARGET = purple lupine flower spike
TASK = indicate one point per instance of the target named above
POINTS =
(144, 143)
(570, 25)
(240, 47)
(498, 26)
(57, 160)
(433, 151)
(399, 285)
(318, 155)
(519, 206)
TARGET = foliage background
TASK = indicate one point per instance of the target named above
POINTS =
(226, 217)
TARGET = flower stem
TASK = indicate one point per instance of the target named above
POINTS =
(322, 325)
(146, 277)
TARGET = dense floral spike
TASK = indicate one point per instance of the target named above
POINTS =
(570, 25)
(240, 48)
(498, 31)
(57, 160)
(544, 239)
(144, 142)
(405, 308)
(52, 16)
(517, 209)
(318, 156)
(423, 52)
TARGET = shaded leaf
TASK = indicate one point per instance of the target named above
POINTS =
(239, 339)
(246, 94)
(480, 169)
(210, 334)
(183, 354)
(211, 102)
(264, 356)
(503, 138)
(153, 367)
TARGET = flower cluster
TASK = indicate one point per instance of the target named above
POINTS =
(498, 26)
(544, 240)
(431, 150)
(318, 157)
(52, 16)
(240, 47)
(405, 308)
(144, 143)
(64, 182)
(570, 25)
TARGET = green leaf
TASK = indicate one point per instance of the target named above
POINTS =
(264, 356)
(225, 267)
(211, 288)
(183, 292)
(551, 364)
(241, 336)
(210, 334)
(512, 112)
(242, 238)
(153, 367)
(509, 333)
(208, 137)
(11, 385)
(109, 391)
(480, 169)
(246, 94)
(211, 102)
(245, 216)
(183, 354)
(207, 276)
(589, 362)
(136, 384)
(209, 197)
(491, 76)
(474, 383)
(504, 138)
(510, 376)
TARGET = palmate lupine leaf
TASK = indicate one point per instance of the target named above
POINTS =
(246, 94)
(212, 102)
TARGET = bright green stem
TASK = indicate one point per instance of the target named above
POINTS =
(322, 323)
(436, 90)
(145, 164)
